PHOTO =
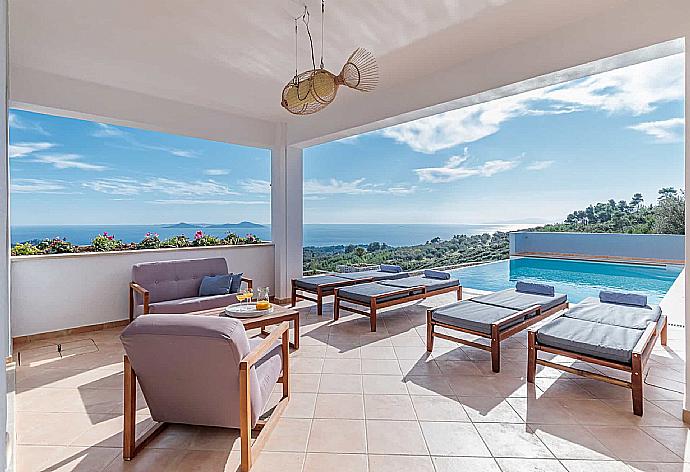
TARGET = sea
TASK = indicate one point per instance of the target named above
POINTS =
(317, 235)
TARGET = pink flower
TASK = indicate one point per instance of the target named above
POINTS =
(148, 235)
(199, 234)
(105, 233)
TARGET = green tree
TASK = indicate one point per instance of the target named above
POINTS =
(670, 213)
(636, 200)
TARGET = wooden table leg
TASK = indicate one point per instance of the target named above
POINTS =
(295, 326)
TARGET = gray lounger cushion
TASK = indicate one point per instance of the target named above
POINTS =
(365, 292)
(431, 284)
(591, 309)
(311, 283)
(634, 299)
(473, 316)
(518, 301)
(613, 343)
(373, 275)
(539, 289)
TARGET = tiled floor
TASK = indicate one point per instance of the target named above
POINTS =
(365, 401)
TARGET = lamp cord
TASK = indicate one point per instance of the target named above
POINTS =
(323, 10)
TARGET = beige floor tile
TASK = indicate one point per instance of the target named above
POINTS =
(431, 385)
(289, 435)
(309, 351)
(301, 405)
(562, 388)
(676, 439)
(453, 439)
(530, 465)
(489, 410)
(54, 429)
(493, 386)
(456, 464)
(305, 383)
(381, 367)
(572, 442)
(595, 412)
(653, 415)
(542, 410)
(632, 444)
(108, 433)
(337, 436)
(419, 367)
(63, 459)
(283, 461)
(439, 408)
(592, 466)
(389, 407)
(378, 352)
(340, 383)
(395, 437)
(342, 366)
(339, 405)
(384, 384)
(70, 400)
(306, 365)
(318, 462)
(390, 463)
(512, 440)
(149, 460)
(455, 369)
(657, 467)
(411, 352)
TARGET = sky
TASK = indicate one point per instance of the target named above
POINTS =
(532, 157)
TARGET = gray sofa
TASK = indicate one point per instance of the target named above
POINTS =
(173, 286)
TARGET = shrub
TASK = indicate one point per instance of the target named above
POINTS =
(201, 239)
(150, 241)
(56, 246)
(249, 239)
(25, 249)
(176, 241)
(232, 238)
(106, 242)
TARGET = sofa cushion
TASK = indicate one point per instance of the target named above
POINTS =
(215, 285)
(190, 304)
(365, 292)
(170, 280)
(312, 283)
(603, 341)
(511, 298)
(473, 316)
(591, 309)
(236, 282)
(431, 284)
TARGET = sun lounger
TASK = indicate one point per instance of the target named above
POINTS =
(324, 285)
(376, 295)
(616, 331)
(495, 316)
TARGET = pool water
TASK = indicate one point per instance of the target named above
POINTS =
(577, 279)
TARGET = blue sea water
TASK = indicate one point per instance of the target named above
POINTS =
(577, 279)
(314, 234)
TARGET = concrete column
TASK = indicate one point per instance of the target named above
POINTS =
(686, 405)
(286, 212)
(6, 381)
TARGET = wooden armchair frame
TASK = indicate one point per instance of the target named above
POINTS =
(636, 368)
(374, 303)
(146, 296)
(132, 445)
(497, 335)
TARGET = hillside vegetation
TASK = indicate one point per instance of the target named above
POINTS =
(666, 215)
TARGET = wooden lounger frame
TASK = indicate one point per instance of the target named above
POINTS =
(496, 336)
(640, 355)
(298, 293)
(375, 301)
(249, 452)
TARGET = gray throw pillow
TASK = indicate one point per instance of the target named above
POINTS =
(236, 282)
(215, 285)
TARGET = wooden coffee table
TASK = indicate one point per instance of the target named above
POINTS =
(277, 316)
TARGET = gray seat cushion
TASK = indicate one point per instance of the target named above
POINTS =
(430, 283)
(170, 280)
(373, 275)
(627, 316)
(603, 341)
(365, 292)
(188, 305)
(473, 316)
(511, 298)
(311, 283)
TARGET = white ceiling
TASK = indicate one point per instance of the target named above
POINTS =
(234, 56)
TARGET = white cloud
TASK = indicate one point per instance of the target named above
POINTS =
(15, 122)
(108, 131)
(36, 186)
(455, 168)
(256, 186)
(664, 131)
(24, 149)
(128, 186)
(540, 165)
(216, 172)
(208, 202)
(67, 161)
(353, 187)
(636, 89)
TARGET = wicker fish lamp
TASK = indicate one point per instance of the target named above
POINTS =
(315, 89)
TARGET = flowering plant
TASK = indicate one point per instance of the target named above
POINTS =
(106, 242)
(55, 246)
(150, 241)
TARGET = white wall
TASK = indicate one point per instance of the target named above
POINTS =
(63, 291)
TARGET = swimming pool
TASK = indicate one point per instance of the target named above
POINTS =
(577, 279)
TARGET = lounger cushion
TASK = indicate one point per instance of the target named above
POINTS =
(436, 274)
(431, 284)
(473, 316)
(365, 292)
(603, 341)
(373, 275)
(390, 268)
(591, 309)
(633, 299)
(515, 300)
(539, 289)
(311, 283)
